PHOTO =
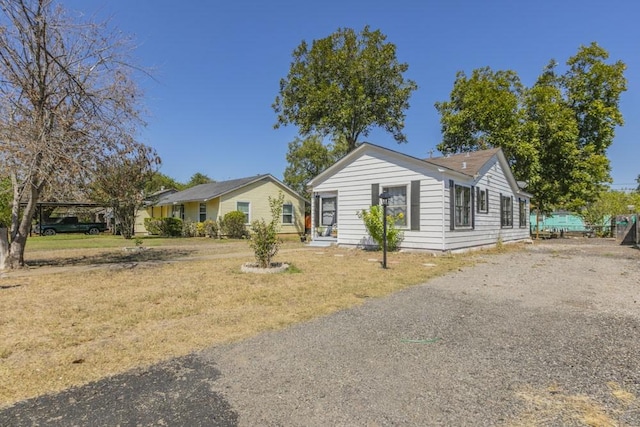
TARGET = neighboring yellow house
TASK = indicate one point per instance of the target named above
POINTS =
(248, 195)
(149, 210)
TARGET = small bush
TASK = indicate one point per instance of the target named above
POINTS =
(373, 221)
(210, 228)
(264, 239)
(200, 229)
(232, 225)
(189, 228)
(167, 227)
(153, 225)
(171, 227)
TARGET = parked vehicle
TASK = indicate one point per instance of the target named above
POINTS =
(70, 224)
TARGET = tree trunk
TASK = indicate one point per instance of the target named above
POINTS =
(16, 251)
(11, 254)
(4, 248)
(20, 227)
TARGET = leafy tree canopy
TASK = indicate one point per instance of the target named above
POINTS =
(197, 179)
(608, 204)
(554, 134)
(307, 158)
(343, 85)
(159, 181)
(5, 202)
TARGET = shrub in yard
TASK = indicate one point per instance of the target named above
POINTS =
(171, 227)
(153, 225)
(264, 236)
(189, 228)
(373, 221)
(233, 225)
(200, 229)
(210, 228)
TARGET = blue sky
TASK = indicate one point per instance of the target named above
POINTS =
(217, 66)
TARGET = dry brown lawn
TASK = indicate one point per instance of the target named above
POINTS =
(82, 314)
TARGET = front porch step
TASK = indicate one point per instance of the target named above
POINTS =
(321, 243)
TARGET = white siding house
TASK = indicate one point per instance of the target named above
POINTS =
(449, 203)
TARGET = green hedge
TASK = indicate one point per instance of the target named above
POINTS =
(167, 227)
(233, 225)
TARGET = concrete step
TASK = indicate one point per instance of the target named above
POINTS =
(320, 243)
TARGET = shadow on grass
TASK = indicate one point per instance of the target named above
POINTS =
(115, 257)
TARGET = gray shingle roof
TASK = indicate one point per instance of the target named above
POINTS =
(209, 190)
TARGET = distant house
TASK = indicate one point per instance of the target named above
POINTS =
(448, 203)
(212, 201)
(557, 221)
(147, 210)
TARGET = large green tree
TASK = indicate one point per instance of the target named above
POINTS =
(550, 132)
(307, 158)
(484, 111)
(555, 134)
(343, 85)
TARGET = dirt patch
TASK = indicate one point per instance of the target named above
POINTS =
(253, 267)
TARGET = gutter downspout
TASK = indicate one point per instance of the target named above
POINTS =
(443, 210)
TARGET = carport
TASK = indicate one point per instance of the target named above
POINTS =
(71, 206)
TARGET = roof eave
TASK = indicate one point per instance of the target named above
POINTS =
(366, 145)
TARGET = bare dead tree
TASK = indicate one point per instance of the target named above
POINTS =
(68, 102)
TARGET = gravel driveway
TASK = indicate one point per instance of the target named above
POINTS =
(548, 336)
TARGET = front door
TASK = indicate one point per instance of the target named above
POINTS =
(329, 211)
(326, 215)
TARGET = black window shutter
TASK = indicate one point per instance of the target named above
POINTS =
(415, 205)
(375, 194)
(486, 195)
(501, 211)
(473, 215)
(478, 199)
(511, 201)
(452, 206)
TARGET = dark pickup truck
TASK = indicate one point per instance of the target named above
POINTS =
(70, 224)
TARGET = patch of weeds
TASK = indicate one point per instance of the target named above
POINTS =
(5, 353)
(560, 256)
(625, 397)
(293, 269)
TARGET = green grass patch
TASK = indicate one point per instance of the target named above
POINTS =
(104, 241)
